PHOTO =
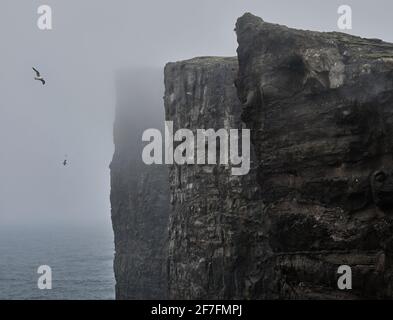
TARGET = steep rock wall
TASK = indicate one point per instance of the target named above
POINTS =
(319, 195)
(320, 106)
(215, 216)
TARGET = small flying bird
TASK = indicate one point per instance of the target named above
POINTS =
(39, 77)
(65, 160)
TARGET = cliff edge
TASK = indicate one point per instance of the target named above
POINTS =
(320, 107)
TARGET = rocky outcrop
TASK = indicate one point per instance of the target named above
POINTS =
(213, 238)
(320, 107)
(139, 193)
(319, 194)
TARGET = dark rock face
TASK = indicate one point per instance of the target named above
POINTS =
(320, 107)
(215, 216)
(320, 191)
(139, 193)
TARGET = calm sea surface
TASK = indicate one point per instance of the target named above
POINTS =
(81, 261)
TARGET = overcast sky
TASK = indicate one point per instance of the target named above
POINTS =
(73, 113)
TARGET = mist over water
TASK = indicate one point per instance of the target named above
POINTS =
(81, 260)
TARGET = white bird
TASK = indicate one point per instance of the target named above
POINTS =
(39, 77)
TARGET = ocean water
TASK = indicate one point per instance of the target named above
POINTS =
(81, 260)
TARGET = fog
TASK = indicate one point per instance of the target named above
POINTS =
(73, 114)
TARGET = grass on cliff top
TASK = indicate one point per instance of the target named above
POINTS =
(207, 60)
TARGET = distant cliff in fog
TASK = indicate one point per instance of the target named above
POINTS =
(139, 193)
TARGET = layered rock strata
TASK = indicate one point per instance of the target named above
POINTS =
(320, 107)
(212, 231)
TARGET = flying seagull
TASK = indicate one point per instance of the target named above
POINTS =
(65, 160)
(38, 77)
